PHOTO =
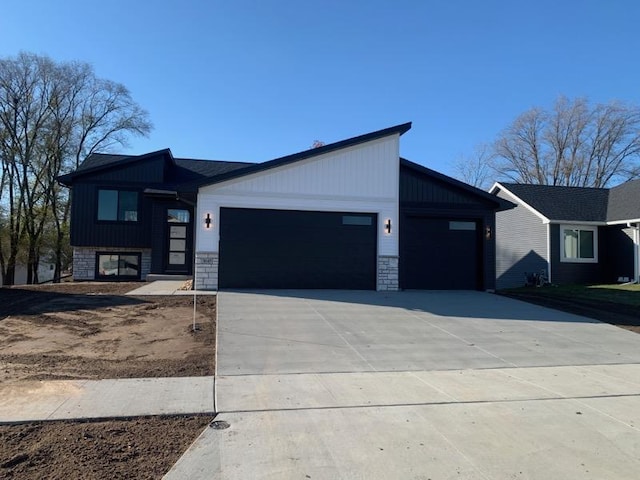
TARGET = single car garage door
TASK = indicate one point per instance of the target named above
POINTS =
(297, 249)
(440, 253)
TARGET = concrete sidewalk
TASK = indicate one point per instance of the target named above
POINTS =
(86, 399)
(592, 439)
(420, 385)
(167, 287)
(254, 393)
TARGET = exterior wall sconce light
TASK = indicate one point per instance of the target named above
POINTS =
(487, 232)
(207, 221)
(387, 226)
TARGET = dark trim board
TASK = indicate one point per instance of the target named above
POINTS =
(262, 248)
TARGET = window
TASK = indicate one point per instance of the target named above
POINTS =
(357, 220)
(177, 216)
(117, 205)
(454, 225)
(579, 244)
(118, 265)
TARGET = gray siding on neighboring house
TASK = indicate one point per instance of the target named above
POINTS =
(564, 273)
(521, 245)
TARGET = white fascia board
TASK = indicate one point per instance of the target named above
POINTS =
(495, 187)
(624, 222)
(577, 222)
(517, 199)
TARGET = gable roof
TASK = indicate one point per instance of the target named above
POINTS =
(624, 202)
(97, 162)
(500, 203)
(579, 204)
(183, 170)
(191, 170)
(190, 174)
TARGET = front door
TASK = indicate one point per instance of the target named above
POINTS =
(178, 258)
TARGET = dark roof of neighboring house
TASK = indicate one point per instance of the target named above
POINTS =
(501, 203)
(624, 202)
(617, 204)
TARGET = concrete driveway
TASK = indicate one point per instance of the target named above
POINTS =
(417, 385)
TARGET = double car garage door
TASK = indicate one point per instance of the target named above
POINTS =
(297, 249)
(300, 249)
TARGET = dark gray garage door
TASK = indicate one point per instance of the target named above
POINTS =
(296, 249)
(440, 253)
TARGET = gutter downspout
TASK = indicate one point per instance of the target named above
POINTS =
(549, 252)
(636, 256)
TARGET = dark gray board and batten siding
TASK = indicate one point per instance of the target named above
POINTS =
(87, 231)
(428, 199)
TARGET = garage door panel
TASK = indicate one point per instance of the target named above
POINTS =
(295, 249)
(439, 253)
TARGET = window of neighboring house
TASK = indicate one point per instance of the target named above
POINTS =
(117, 205)
(579, 244)
(118, 265)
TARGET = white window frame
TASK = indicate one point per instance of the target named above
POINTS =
(593, 229)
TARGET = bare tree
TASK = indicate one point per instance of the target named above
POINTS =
(51, 116)
(574, 144)
(477, 169)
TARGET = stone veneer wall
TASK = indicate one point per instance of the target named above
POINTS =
(84, 261)
(388, 273)
(206, 272)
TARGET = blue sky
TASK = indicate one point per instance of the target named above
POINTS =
(257, 79)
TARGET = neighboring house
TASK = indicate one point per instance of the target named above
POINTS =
(46, 270)
(349, 215)
(572, 234)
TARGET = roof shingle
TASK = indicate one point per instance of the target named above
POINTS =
(560, 203)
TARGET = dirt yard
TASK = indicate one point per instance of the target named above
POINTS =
(93, 331)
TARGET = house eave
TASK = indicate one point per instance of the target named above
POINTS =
(577, 222)
(500, 203)
(624, 222)
(67, 179)
(314, 152)
(517, 199)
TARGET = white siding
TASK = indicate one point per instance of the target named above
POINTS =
(362, 178)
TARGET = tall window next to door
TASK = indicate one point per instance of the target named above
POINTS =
(117, 205)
